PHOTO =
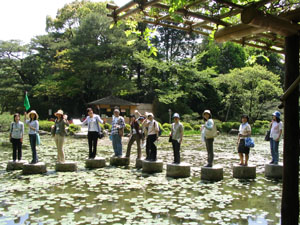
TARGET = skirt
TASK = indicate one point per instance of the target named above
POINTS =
(242, 148)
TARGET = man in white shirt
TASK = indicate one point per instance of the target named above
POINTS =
(153, 129)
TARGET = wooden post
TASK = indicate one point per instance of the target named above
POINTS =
(290, 188)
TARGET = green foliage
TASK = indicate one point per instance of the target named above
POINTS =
(5, 120)
(74, 128)
(107, 126)
(227, 126)
(127, 128)
(187, 126)
(167, 126)
(197, 127)
(45, 125)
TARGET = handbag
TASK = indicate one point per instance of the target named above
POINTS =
(38, 139)
(170, 138)
(100, 135)
(267, 137)
(249, 142)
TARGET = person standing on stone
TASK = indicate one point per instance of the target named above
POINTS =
(275, 135)
(33, 124)
(176, 136)
(244, 132)
(209, 132)
(152, 135)
(16, 137)
(117, 131)
(59, 132)
(135, 135)
(94, 130)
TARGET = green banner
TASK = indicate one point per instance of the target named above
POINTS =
(26, 102)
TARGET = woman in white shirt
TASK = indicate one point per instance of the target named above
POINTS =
(16, 137)
(275, 134)
(244, 132)
(94, 129)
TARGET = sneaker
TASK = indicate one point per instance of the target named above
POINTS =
(208, 165)
(271, 162)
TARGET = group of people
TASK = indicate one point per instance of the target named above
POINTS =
(144, 128)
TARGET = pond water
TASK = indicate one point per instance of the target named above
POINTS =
(113, 195)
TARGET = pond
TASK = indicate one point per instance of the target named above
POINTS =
(113, 195)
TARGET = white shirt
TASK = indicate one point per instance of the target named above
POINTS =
(153, 127)
(244, 129)
(275, 130)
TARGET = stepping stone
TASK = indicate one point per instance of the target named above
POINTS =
(97, 162)
(152, 166)
(38, 168)
(181, 170)
(67, 166)
(80, 135)
(244, 172)
(214, 173)
(17, 165)
(274, 171)
(116, 161)
(139, 163)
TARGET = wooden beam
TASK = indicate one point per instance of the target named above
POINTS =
(125, 7)
(267, 48)
(185, 12)
(236, 32)
(293, 15)
(138, 9)
(224, 2)
(290, 186)
(111, 6)
(269, 22)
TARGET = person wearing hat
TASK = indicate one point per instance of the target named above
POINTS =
(59, 132)
(275, 134)
(209, 132)
(94, 129)
(135, 135)
(16, 137)
(117, 130)
(33, 124)
(244, 132)
(152, 135)
(176, 137)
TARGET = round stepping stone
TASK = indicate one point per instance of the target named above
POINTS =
(274, 171)
(119, 161)
(139, 163)
(67, 166)
(152, 166)
(244, 172)
(214, 173)
(37, 168)
(97, 162)
(17, 165)
(181, 170)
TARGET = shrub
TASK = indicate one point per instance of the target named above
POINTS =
(5, 120)
(187, 126)
(107, 126)
(74, 128)
(127, 128)
(261, 124)
(45, 125)
(197, 127)
(227, 126)
(167, 126)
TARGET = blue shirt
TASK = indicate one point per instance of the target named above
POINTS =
(34, 124)
(117, 123)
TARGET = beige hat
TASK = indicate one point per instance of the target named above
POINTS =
(59, 112)
(207, 111)
(149, 114)
(33, 112)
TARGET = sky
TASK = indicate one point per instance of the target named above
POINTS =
(24, 19)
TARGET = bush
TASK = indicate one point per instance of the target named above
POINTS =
(107, 126)
(45, 125)
(166, 126)
(261, 124)
(74, 128)
(187, 126)
(197, 127)
(127, 129)
(5, 120)
(227, 126)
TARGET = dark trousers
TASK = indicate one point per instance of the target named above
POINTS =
(32, 140)
(151, 150)
(133, 138)
(92, 140)
(17, 149)
(210, 150)
(176, 151)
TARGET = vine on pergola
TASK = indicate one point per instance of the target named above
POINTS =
(261, 24)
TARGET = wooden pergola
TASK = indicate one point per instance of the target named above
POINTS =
(271, 25)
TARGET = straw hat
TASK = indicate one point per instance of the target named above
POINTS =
(59, 112)
(150, 114)
(33, 112)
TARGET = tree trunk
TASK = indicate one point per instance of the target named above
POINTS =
(290, 188)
